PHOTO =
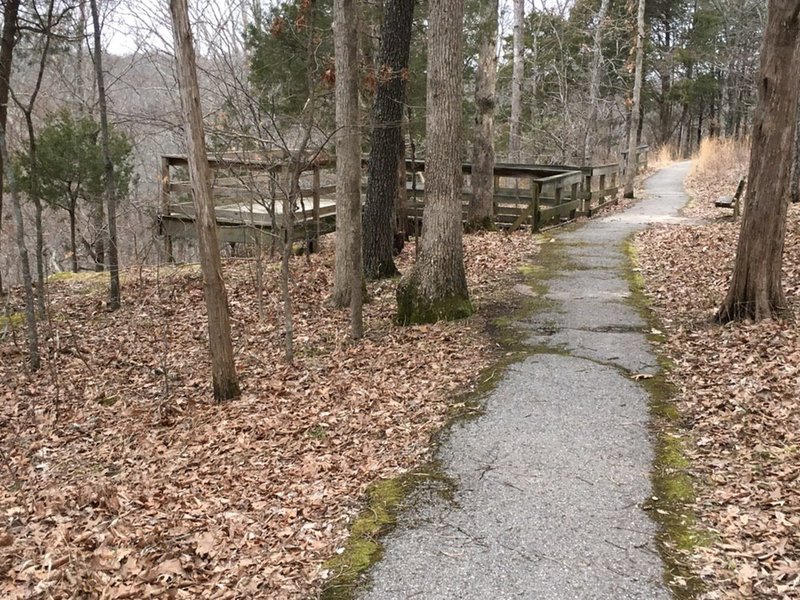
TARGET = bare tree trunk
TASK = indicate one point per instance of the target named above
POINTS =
(73, 245)
(756, 290)
(594, 84)
(7, 43)
(518, 73)
(109, 185)
(387, 149)
(226, 385)
(33, 186)
(80, 84)
(481, 206)
(436, 287)
(33, 193)
(796, 165)
(99, 246)
(291, 186)
(348, 282)
(633, 132)
(27, 280)
(401, 221)
(287, 220)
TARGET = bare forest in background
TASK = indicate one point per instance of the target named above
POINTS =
(700, 63)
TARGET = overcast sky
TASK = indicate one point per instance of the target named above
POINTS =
(132, 25)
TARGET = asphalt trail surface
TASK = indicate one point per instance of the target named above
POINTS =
(549, 481)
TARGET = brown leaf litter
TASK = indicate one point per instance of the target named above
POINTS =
(119, 479)
(738, 387)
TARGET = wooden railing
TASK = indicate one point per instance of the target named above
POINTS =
(246, 204)
(642, 159)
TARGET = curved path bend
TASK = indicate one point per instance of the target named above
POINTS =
(549, 481)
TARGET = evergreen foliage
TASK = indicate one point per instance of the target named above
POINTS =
(69, 161)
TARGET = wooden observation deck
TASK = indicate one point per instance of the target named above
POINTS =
(248, 195)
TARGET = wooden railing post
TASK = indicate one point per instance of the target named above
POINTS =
(602, 190)
(588, 182)
(536, 191)
(496, 185)
(165, 207)
(573, 198)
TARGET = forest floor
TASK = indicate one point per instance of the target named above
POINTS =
(737, 392)
(119, 478)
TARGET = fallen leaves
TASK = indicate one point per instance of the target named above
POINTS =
(123, 480)
(738, 389)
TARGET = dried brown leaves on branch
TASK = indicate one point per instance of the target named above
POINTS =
(119, 479)
(738, 390)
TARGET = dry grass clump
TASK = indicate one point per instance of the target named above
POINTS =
(722, 157)
(718, 166)
(664, 155)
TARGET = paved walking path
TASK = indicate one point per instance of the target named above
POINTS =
(549, 481)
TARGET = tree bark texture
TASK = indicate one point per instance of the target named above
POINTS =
(481, 206)
(73, 244)
(436, 287)
(665, 73)
(633, 132)
(7, 43)
(226, 385)
(387, 149)
(109, 185)
(796, 164)
(348, 286)
(80, 84)
(27, 279)
(756, 290)
(348, 154)
(518, 73)
(33, 193)
(594, 84)
(291, 191)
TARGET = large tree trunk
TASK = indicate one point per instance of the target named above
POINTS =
(633, 132)
(594, 84)
(223, 370)
(109, 186)
(348, 162)
(518, 73)
(7, 42)
(481, 205)
(387, 140)
(348, 284)
(756, 291)
(27, 280)
(436, 287)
